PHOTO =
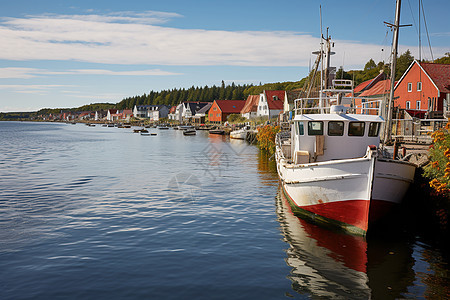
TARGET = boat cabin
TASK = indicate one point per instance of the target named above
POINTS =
(331, 136)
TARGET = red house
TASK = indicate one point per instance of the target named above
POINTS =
(221, 109)
(424, 90)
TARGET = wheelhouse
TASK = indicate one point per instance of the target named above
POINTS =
(323, 137)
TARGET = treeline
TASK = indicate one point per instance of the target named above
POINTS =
(205, 94)
(176, 96)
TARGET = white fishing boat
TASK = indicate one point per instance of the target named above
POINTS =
(241, 133)
(331, 163)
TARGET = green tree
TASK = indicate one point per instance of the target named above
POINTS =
(443, 60)
(403, 63)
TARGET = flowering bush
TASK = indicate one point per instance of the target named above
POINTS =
(438, 170)
(266, 138)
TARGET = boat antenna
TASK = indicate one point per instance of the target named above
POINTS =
(321, 62)
(396, 27)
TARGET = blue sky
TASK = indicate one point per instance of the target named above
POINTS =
(64, 53)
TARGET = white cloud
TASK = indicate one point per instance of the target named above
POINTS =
(26, 73)
(35, 89)
(131, 38)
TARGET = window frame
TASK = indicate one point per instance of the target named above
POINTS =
(356, 122)
(300, 130)
(370, 132)
(418, 104)
(409, 86)
(408, 105)
(311, 131)
(419, 86)
(341, 133)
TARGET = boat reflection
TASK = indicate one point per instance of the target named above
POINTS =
(331, 264)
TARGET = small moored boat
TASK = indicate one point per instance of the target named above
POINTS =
(189, 132)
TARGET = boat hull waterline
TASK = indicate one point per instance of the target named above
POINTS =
(348, 193)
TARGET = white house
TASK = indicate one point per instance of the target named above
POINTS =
(271, 104)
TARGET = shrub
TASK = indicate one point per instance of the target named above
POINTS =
(438, 170)
(266, 138)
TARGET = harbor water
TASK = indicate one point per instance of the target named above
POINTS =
(105, 213)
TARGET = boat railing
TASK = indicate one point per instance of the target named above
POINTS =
(367, 106)
(309, 106)
(357, 105)
(283, 142)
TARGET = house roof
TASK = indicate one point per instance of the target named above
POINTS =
(380, 88)
(112, 111)
(195, 106)
(440, 74)
(127, 111)
(230, 106)
(205, 108)
(275, 99)
(369, 83)
(173, 109)
(251, 104)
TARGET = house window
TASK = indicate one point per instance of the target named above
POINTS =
(356, 129)
(408, 104)
(315, 128)
(419, 86)
(417, 104)
(215, 108)
(409, 86)
(335, 128)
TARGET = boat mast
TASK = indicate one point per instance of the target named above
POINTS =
(321, 63)
(396, 27)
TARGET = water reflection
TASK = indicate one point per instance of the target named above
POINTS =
(336, 265)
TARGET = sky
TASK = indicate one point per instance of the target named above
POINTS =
(66, 53)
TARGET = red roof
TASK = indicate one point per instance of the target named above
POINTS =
(251, 104)
(172, 109)
(230, 106)
(275, 99)
(380, 88)
(440, 74)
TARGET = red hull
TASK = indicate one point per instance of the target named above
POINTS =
(357, 213)
(352, 212)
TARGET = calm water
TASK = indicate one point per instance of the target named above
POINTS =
(102, 213)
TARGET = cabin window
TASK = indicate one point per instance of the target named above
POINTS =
(356, 129)
(299, 128)
(374, 128)
(409, 86)
(335, 128)
(315, 128)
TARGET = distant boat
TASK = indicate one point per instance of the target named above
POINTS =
(143, 130)
(217, 131)
(163, 127)
(189, 132)
(185, 127)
